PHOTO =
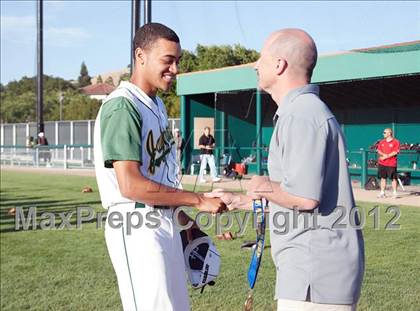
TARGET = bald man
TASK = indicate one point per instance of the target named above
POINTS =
(316, 241)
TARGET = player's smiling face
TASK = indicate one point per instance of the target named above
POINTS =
(161, 64)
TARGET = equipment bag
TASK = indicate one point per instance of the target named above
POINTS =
(372, 184)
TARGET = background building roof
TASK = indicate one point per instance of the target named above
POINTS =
(375, 62)
(98, 89)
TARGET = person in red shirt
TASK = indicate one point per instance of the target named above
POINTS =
(387, 149)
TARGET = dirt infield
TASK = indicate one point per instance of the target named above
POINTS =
(411, 195)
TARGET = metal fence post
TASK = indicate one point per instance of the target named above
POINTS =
(56, 138)
(364, 168)
(2, 137)
(89, 138)
(82, 155)
(13, 155)
(27, 133)
(71, 138)
(217, 156)
(37, 157)
(65, 157)
(14, 135)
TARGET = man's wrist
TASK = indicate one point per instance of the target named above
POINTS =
(199, 198)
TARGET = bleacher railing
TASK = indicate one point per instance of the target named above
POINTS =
(55, 156)
(361, 163)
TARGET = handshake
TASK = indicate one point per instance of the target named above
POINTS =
(219, 200)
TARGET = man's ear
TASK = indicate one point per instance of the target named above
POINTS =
(281, 66)
(140, 56)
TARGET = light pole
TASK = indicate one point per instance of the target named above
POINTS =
(40, 87)
(60, 99)
(135, 24)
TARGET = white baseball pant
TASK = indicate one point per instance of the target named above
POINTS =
(149, 263)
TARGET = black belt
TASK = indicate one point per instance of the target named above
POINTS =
(141, 205)
(161, 206)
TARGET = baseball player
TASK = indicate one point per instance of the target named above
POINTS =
(136, 171)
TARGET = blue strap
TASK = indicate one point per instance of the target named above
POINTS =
(254, 265)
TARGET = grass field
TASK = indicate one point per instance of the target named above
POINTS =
(69, 269)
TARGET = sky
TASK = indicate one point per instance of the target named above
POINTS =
(98, 32)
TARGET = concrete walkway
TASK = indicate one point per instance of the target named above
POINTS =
(411, 195)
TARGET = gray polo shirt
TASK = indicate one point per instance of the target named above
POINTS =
(318, 256)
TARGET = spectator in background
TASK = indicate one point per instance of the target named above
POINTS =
(30, 142)
(42, 140)
(387, 149)
(179, 144)
(206, 144)
(44, 152)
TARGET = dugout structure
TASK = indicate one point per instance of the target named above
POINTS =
(367, 90)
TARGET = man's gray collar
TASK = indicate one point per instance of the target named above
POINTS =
(292, 95)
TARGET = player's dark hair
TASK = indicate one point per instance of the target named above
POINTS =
(148, 34)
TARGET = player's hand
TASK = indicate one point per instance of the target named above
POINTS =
(211, 205)
(257, 186)
(233, 201)
(226, 197)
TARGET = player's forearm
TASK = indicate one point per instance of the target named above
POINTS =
(134, 186)
(152, 193)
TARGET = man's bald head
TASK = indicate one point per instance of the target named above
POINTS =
(297, 47)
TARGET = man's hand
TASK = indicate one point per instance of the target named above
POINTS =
(211, 204)
(257, 186)
(233, 201)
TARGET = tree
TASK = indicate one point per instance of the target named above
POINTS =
(77, 106)
(99, 80)
(110, 81)
(171, 101)
(18, 108)
(243, 55)
(211, 57)
(18, 101)
(125, 76)
(206, 57)
(188, 62)
(18, 98)
(84, 78)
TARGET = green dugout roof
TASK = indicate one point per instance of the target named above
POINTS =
(385, 61)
